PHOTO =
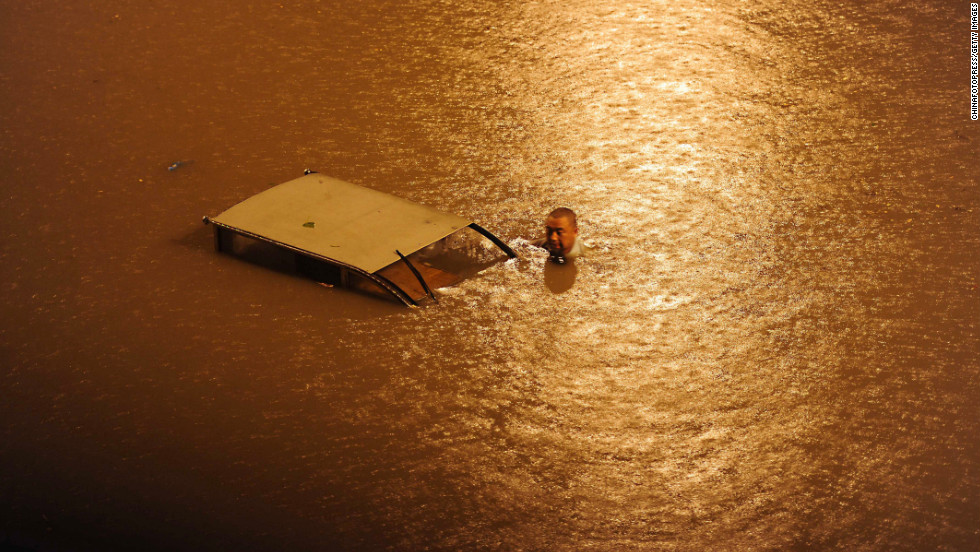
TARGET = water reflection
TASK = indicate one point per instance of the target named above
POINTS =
(559, 278)
(772, 352)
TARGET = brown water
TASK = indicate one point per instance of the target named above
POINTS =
(772, 347)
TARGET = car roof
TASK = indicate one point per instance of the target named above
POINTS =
(338, 220)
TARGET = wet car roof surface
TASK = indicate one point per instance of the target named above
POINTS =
(342, 221)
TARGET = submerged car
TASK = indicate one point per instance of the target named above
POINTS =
(347, 235)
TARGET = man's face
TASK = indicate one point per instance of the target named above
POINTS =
(560, 235)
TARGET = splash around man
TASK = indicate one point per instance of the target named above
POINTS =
(561, 235)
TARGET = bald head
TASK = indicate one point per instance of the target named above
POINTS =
(565, 212)
(561, 229)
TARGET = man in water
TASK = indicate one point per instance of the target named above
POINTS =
(561, 235)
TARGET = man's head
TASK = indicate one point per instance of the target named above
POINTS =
(560, 231)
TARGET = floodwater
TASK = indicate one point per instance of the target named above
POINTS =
(773, 345)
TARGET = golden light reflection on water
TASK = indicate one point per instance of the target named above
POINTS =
(680, 382)
(765, 350)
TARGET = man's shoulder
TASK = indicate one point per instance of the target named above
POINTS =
(578, 248)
